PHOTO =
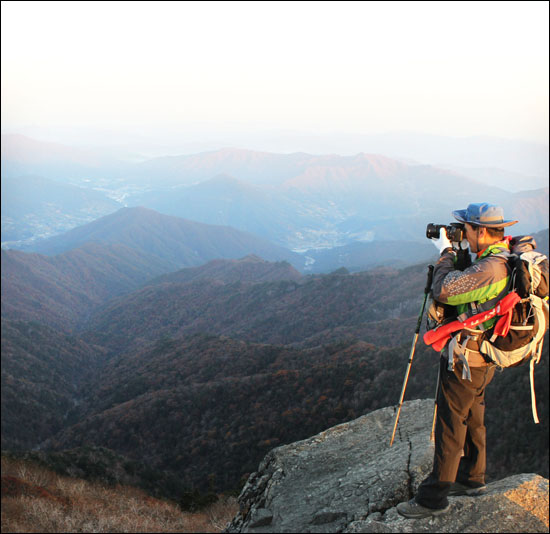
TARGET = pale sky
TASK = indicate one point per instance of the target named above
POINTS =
(451, 68)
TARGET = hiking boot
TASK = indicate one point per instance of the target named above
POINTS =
(413, 510)
(462, 489)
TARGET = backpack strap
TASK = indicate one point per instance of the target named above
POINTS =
(474, 308)
(532, 382)
(542, 305)
(540, 308)
(485, 306)
(461, 351)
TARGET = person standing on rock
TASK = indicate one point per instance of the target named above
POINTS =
(459, 460)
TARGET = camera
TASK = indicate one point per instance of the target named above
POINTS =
(455, 231)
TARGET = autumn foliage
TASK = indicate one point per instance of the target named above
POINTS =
(35, 499)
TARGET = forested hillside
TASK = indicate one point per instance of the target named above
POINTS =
(189, 380)
(62, 290)
(307, 312)
(42, 373)
(212, 407)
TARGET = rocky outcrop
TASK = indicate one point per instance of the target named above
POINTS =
(348, 479)
(515, 504)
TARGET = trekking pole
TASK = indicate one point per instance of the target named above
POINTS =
(418, 323)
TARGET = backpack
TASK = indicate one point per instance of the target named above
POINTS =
(528, 320)
(518, 335)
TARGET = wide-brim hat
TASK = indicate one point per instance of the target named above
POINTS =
(483, 214)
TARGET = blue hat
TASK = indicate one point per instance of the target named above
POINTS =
(483, 214)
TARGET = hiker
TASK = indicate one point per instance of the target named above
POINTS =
(459, 460)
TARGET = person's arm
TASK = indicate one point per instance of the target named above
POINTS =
(477, 283)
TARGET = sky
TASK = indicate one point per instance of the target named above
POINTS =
(445, 68)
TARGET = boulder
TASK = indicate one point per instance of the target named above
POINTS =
(517, 503)
(348, 479)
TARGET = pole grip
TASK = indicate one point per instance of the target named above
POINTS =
(430, 279)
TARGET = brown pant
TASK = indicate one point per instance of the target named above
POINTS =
(459, 429)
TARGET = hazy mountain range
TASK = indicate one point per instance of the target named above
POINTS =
(299, 201)
(525, 158)
(37, 207)
(302, 201)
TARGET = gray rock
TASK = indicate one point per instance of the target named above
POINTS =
(342, 475)
(348, 479)
(260, 518)
(515, 504)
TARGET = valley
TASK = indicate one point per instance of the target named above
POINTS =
(167, 323)
(186, 380)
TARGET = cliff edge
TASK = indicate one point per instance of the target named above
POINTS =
(348, 479)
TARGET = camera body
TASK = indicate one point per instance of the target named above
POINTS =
(455, 231)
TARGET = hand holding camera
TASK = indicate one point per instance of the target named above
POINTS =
(451, 236)
(442, 242)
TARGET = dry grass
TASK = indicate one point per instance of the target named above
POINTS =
(35, 499)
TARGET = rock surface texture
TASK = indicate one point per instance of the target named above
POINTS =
(348, 479)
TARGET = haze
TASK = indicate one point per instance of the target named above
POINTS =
(103, 71)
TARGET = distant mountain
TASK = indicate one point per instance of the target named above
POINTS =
(62, 289)
(304, 201)
(179, 241)
(397, 201)
(33, 206)
(224, 200)
(22, 155)
(495, 177)
(259, 168)
(530, 208)
(247, 269)
(473, 152)
(542, 239)
(361, 256)
(476, 152)
(297, 200)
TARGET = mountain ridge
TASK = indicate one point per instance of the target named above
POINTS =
(250, 269)
(63, 289)
(280, 312)
(181, 241)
